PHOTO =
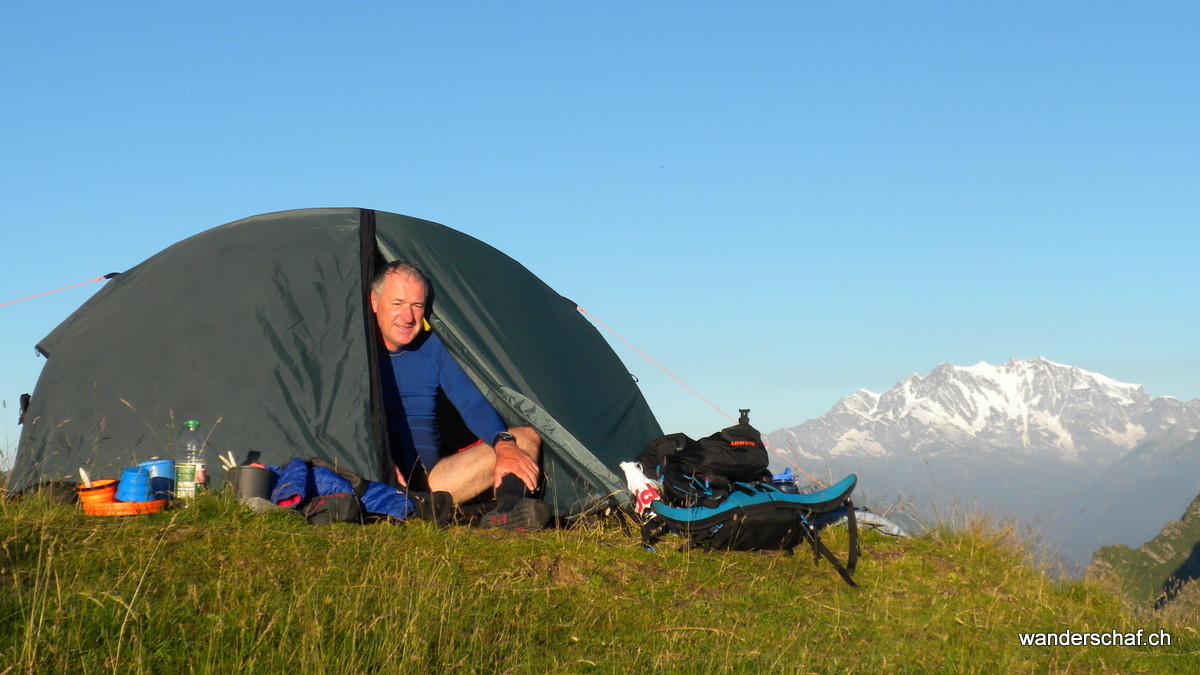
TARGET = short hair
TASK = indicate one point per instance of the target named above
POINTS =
(405, 267)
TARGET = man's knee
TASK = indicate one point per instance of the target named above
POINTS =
(527, 440)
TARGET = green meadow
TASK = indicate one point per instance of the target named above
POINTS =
(215, 588)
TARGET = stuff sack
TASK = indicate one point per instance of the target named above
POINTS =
(758, 516)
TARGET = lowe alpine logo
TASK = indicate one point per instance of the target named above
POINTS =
(742, 443)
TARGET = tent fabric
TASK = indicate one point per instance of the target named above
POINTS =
(261, 329)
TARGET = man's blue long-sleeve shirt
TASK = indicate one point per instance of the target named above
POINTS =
(410, 379)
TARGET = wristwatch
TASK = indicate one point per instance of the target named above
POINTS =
(503, 436)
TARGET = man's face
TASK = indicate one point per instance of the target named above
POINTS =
(399, 308)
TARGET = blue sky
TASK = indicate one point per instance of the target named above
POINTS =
(780, 202)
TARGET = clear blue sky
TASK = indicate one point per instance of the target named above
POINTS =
(780, 202)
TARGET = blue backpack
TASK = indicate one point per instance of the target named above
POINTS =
(713, 510)
(760, 517)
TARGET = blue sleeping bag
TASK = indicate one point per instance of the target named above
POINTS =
(298, 481)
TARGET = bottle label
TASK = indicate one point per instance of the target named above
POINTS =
(185, 480)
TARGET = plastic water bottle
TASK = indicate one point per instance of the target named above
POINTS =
(191, 469)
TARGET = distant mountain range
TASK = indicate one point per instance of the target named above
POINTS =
(1085, 460)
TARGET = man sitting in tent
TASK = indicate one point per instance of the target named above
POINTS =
(415, 368)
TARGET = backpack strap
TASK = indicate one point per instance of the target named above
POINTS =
(852, 528)
(652, 531)
(820, 549)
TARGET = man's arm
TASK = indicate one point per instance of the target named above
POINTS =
(514, 455)
(481, 418)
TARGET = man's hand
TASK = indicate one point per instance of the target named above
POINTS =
(510, 459)
(400, 478)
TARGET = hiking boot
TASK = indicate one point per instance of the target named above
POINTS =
(520, 515)
(436, 507)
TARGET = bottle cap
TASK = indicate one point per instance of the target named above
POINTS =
(192, 424)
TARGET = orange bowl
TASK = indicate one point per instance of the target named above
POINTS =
(102, 491)
(124, 508)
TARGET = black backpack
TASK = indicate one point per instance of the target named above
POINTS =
(716, 494)
(703, 472)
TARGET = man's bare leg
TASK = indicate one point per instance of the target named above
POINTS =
(470, 473)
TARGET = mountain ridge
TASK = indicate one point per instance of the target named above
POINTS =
(1027, 407)
(1087, 460)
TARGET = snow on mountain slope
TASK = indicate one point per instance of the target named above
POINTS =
(1032, 408)
(1083, 458)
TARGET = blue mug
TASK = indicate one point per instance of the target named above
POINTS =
(162, 477)
(134, 485)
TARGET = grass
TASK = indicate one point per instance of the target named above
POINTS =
(214, 588)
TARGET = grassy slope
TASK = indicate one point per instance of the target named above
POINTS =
(216, 589)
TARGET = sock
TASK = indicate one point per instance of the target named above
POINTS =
(511, 489)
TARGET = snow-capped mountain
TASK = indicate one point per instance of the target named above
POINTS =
(1035, 408)
(1085, 459)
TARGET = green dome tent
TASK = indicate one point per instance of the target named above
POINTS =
(263, 324)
